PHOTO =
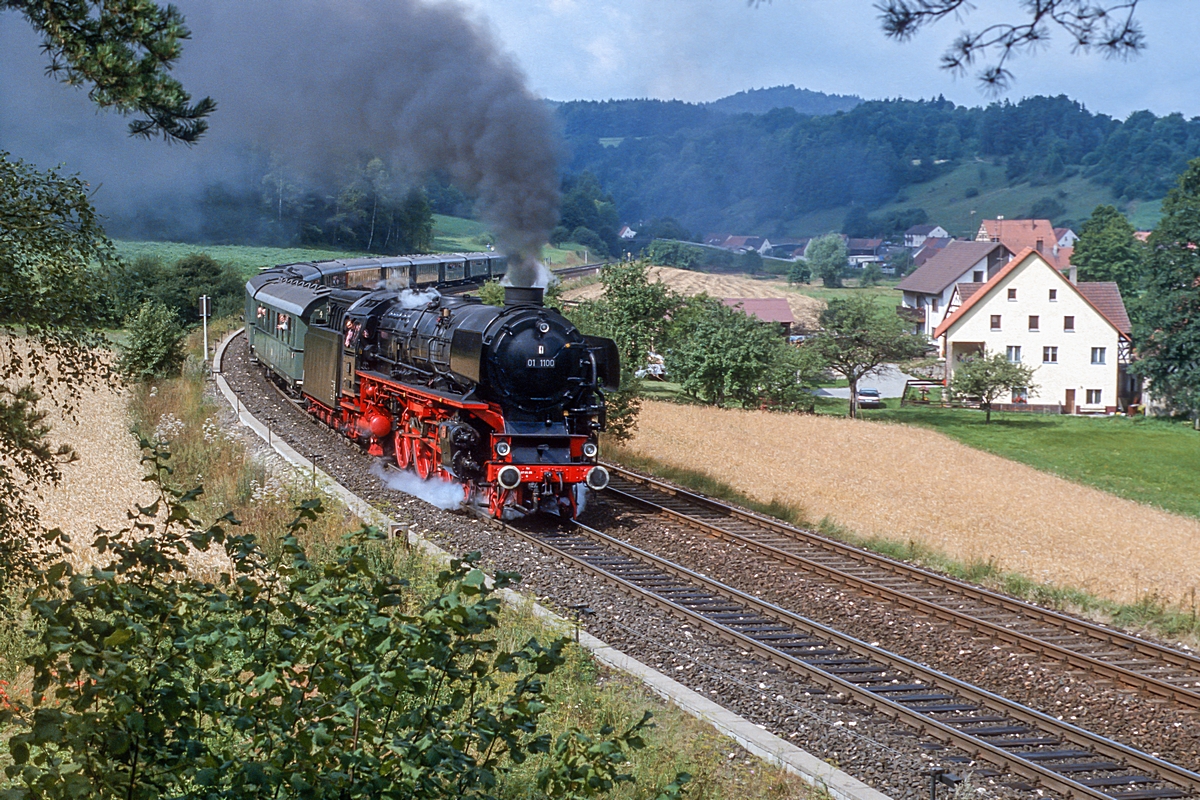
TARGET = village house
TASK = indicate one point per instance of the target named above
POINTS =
(929, 249)
(1037, 234)
(927, 290)
(860, 252)
(626, 232)
(767, 309)
(1077, 335)
(915, 236)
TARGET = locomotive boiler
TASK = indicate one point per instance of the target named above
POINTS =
(508, 400)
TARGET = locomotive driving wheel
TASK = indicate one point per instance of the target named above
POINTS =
(422, 455)
(403, 448)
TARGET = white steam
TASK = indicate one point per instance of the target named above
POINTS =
(535, 275)
(413, 299)
(447, 495)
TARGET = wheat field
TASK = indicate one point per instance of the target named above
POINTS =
(906, 483)
(804, 308)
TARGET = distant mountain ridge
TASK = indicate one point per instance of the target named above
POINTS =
(805, 101)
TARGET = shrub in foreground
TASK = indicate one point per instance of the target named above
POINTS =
(283, 678)
(155, 346)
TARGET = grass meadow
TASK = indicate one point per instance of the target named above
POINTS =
(1151, 461)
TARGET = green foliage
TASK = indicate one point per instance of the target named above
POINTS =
(988, 377)
(718, 354)
(49, 236)
(1107, 250)
(1167, 331)
(871, 275)
(674, 254)
(127, 287)
(285, 677)
(799, 272)
(155, 345)
(858, 337)
(492, 293)
(590, 214)
(827, 257)
(1047, 208)
(124, 53)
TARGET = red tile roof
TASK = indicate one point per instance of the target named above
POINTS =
(977, 297)
(1018, 234)
(767, 309)
(1106, 297)
(966, 290)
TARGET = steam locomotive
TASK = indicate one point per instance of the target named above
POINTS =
(508, 401)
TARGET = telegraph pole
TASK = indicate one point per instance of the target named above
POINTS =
(205, 312)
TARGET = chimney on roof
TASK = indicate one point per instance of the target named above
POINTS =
(1072, 276)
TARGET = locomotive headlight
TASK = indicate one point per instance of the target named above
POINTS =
(590, 449)
(503, 449)
(509, 477)
(597, 478)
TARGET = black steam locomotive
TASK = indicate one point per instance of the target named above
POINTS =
(508, 401)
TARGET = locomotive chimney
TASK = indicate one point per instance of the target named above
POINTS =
(523, 296)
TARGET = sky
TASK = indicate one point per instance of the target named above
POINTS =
(700, 50)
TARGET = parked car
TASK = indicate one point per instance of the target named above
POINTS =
(870, 398)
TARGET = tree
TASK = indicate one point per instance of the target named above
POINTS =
(49, 238)
(1108, 26)
(123, 52)
(1167, 323)
(857, 338)
(718, 354)
(872, 274)
(197, 274)
(1107, 250)
(155, 345)
(673, 254)
(988, 377)
(287, 677)
(827, 256)
(799, 272)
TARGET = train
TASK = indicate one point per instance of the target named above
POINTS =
(508, 401)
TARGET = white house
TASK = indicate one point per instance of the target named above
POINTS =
(626, 232)
(915, 236)
(1076, 335)
(927, 289)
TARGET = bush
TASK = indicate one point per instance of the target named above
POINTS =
(285, 678)
(559, 235)
(591, 240)
(872, 274)
(155, 346)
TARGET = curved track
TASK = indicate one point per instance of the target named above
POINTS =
(1134, 662)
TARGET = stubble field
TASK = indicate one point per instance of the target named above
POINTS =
(804, 308)
(908, 484)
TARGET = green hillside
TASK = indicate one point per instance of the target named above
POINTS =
(979, 190)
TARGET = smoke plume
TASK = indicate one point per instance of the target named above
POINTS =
(318, 83)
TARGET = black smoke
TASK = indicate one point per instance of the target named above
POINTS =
(315, 83)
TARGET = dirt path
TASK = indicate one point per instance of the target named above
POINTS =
(905, 483)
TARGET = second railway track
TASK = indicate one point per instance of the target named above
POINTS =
(1157, 670)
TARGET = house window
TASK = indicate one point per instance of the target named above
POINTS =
(1098, 355)
(1012, 294)
(934, 304)
(1020, 394)
(977, 276)
(1069, 324)
(995, 322)
(1040, 244)
(1093, 397)
(1049, 355)
(1054, 295)
(1014, 353)
(1033, 322)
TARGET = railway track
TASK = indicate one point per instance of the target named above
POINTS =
(1125, 659)
(1053, 754)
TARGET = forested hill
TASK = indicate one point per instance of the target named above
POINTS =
(760, 101)
(765, 172)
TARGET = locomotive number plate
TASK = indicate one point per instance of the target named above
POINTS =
(539, 362)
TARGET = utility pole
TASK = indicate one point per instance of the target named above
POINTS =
(205, 312)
